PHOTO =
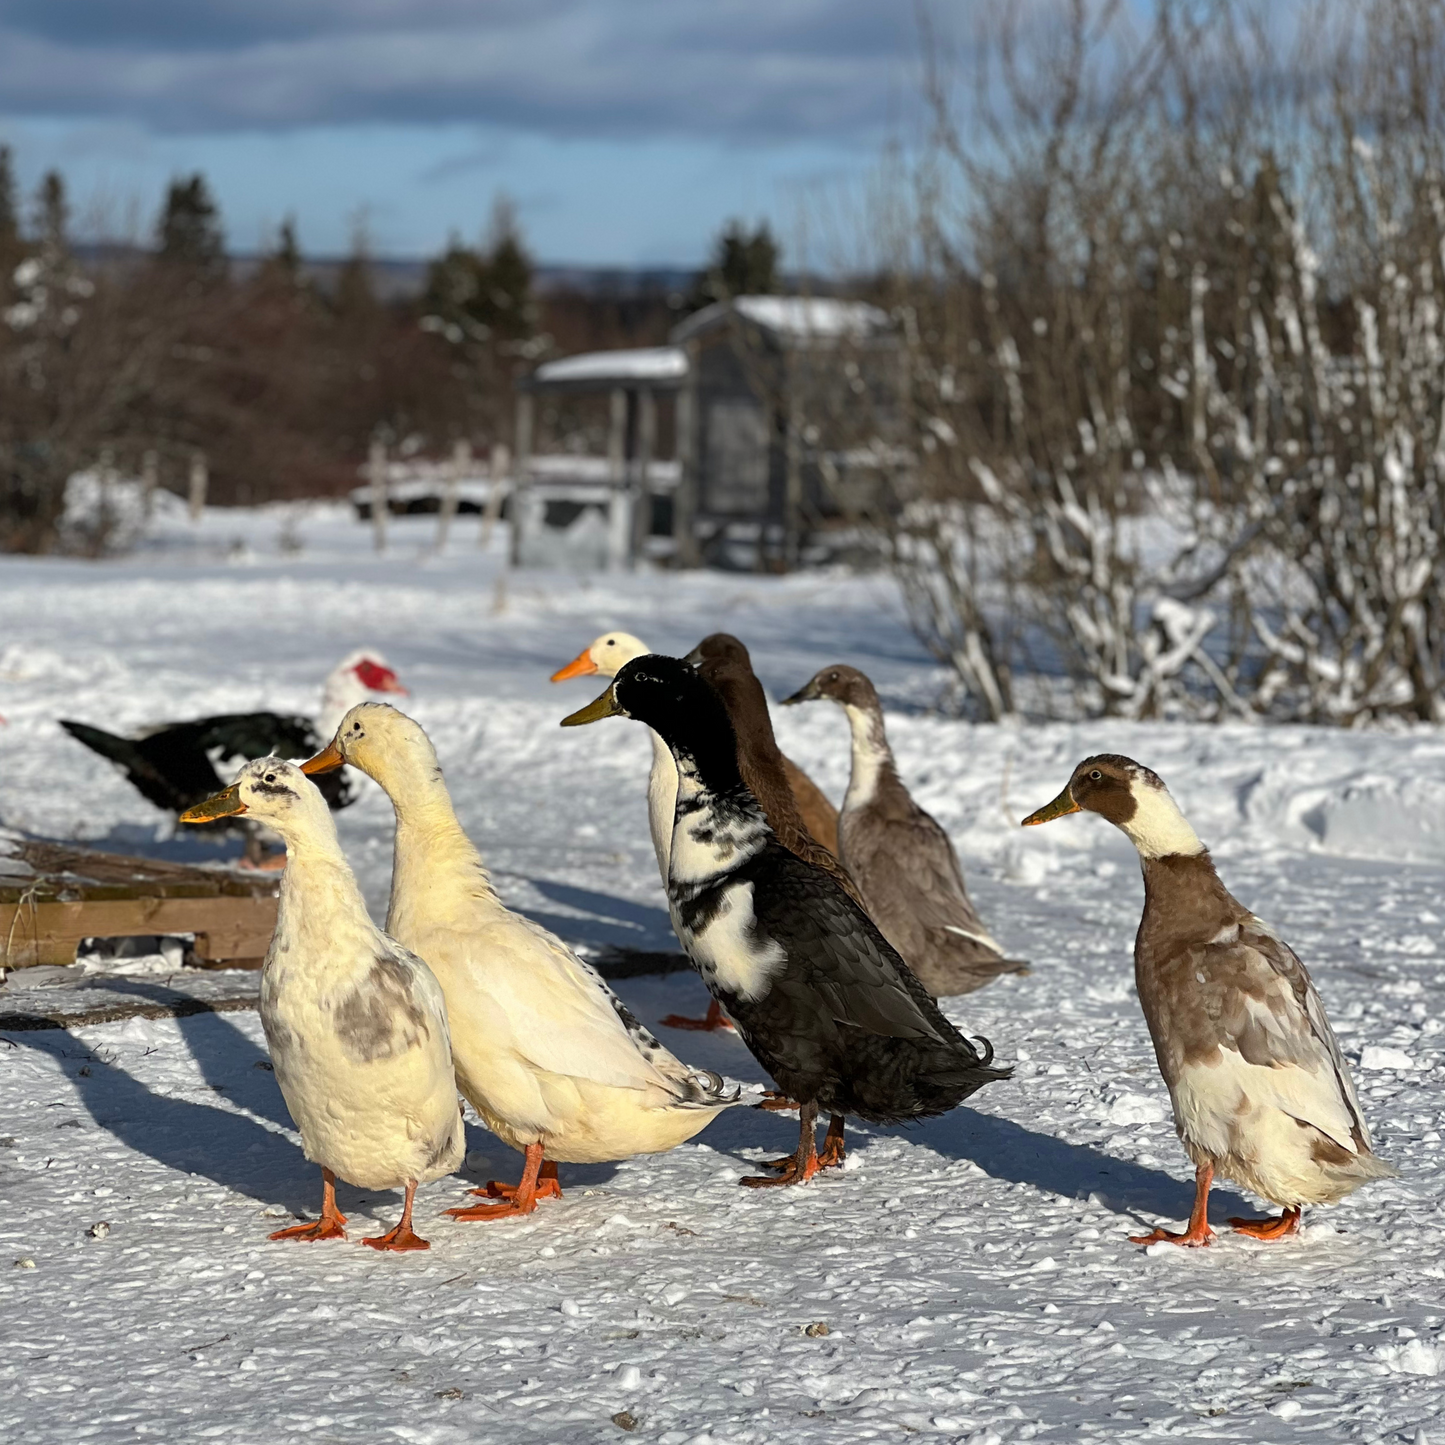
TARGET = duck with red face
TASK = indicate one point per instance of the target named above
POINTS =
(1260, 1090)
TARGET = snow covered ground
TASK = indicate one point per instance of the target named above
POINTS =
(973, 1275)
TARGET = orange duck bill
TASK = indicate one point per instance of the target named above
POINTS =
(580, 666)
(326, 761)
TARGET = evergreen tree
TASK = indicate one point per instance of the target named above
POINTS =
(287, 255)
(189, 230)
(282, 266)
(52, 212)
(484, 294)
(742, 264)
(355, 297)
(9, 209)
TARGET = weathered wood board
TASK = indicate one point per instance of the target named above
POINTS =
(53, 895)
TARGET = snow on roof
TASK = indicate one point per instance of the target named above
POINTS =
(643, 363)
(800, 317)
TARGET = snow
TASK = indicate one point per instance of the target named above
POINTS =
(634, 364)
(969, 1280)
(796, 317)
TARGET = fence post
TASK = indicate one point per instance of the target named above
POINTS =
(689, 456)
(376, 474)
(150, 468)
(500, 462)
(200, 479)
(460, 464)
(522, 436)
(619, 530)
(642, 495)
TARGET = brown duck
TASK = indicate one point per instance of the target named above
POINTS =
(907, 873)
(792, 802)
(724, 662)
(1261, 1093)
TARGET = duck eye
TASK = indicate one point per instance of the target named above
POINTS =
(1096, 775)
(270, 777)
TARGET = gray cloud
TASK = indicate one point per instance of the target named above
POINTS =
(740, 70)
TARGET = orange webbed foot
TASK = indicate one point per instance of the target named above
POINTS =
(548, 1186)
(538, 1181)
(714, 1019)
(1280, 1227)
(400, 1237)
(791, 1173)
(323, 1228)
(1191, 1238)
(776, 1103)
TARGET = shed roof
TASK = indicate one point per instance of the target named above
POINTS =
(657, 366)
(791, 318)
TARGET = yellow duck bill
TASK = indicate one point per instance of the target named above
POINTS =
(326, 761)
(595, 711)
(225, 804)
(1061, 807)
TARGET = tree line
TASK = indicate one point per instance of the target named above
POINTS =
(279, 381)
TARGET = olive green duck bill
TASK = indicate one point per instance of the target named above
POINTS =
(225, 804)
(595, 711)
(1061, 807)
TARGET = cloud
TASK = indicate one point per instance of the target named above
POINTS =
(750, 71)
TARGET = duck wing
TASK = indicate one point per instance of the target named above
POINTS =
(565, 1020)
(1263, 1014)
(912, 884)
(836, 952)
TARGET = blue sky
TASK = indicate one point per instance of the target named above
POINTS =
(627, 131)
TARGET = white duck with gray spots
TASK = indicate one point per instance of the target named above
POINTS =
(357, 1025)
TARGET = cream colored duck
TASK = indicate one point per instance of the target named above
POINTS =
(548, 1056)
(603, 659)
(356, 1025)
(1260, 1090)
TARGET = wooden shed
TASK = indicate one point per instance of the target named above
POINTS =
(795, 426)
(787, 423)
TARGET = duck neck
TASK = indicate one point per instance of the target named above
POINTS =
(872, 757)
(430, 848)
(317, 878)
(1185, 901)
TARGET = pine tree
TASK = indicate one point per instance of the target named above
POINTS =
(355, 297)
(189, 230)
(9, 208)
(52, 212)
(484, 294)
(742, 264)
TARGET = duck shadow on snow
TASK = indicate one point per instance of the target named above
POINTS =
(1009, 1151)
(606, 921)
(1003, 1149)
(229, 1149)
(228, 1060)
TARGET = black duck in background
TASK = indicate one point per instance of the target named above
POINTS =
(820, 997)
(178, 765)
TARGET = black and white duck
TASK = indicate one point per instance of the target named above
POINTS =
(819, 996)
(176, 765)
(356, 1024)
(904, 864)
(1260, 1090)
